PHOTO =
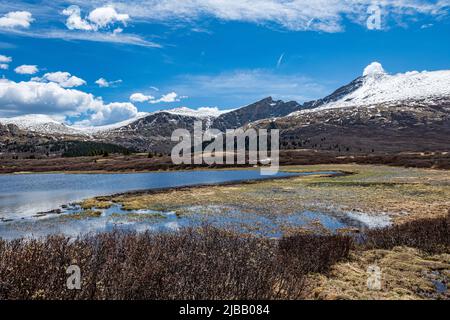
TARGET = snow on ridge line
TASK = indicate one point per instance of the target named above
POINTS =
(381, 87)
(46, 124)
(112, 126)
(203, 112)
(40, 123)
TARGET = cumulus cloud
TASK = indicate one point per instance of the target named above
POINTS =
(111, 113)
(140, 97)
(74, 20)
(32, 97)
(373, 69)
(5, 59)
(64, 79)
(103, 83)
(104, 16)
(26, 69)
(168, 98)
(99, 18)
(16, 19)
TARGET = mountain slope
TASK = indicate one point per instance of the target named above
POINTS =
(377, 112)
(266, 108)
(150, 133)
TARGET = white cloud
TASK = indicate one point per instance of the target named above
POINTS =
(140, 97)
(317, 15)
(104, 16)
(5, 59)
(74, 20)
(373, 69)
(111, 113)
(280, 60)
(103, 83)
(168, 98)
(16, 19)
(99, 18)
(26, 69)
(117, 38)
(64, 79)
(32, 97)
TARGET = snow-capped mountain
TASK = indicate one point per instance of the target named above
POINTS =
(376, 112)
(108, 127)
(377, 87)
(42, 124)
(46, 125)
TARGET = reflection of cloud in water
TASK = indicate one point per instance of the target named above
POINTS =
(227, 217)
(26, 195)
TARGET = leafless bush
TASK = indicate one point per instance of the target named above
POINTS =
(315, 253)
(429, 235)
(206, 263)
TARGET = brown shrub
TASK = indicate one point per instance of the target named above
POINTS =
(191, 264)
(429, 235)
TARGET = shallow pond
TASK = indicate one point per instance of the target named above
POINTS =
(22, 197)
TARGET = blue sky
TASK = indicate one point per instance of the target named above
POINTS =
(163, 54)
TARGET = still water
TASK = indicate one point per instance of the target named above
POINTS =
(23, 199)
(27, 194)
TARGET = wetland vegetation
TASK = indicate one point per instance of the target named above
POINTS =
(248, 238)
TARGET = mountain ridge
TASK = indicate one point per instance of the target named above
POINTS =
(413, 104)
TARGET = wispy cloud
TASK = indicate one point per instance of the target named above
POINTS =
(68, 35)
(249, 86)
(98, 20)
(103, 83)
(280, 60)
(298, 15)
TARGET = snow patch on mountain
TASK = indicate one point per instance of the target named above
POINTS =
(204, 112)
(96, 129)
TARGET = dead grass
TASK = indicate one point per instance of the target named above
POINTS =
(406, 274)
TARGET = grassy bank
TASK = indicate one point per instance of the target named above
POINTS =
(208, 263)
